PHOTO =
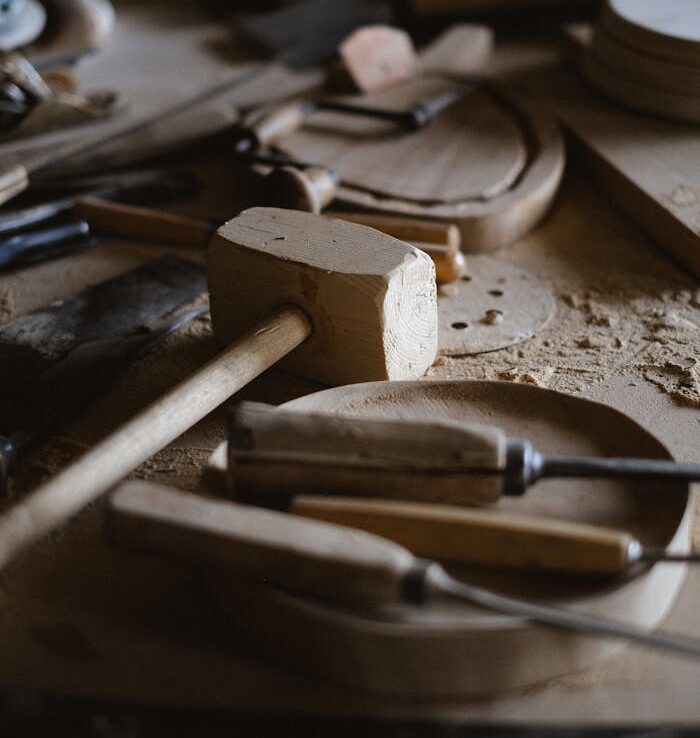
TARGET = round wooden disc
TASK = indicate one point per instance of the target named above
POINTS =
(473, 149)
(493, 306)
(665, 28)
(491, 224)
(452, 648)
(625, 90)
(652, 71)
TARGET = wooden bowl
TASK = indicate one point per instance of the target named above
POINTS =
(451, 649)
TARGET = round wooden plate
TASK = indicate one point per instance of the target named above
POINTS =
(665, 28)
(491, 162)
(454, 649)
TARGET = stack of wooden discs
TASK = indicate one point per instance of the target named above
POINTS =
(646, 54)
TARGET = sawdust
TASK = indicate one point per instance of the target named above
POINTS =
(648, 327)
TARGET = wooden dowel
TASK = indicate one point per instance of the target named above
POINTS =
(54, 502)
(130, 221)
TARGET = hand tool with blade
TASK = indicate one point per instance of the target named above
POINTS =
(346, 302)
(40, 244)
(488, 537)
(324, 560)
(55, 359)
(273, 449)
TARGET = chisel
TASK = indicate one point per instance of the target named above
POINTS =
(490, 537)
(443, 460)
(325, 561)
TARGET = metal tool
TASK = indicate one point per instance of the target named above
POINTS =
(273, 449)
(23, 249)
(136, 187)
(55, 359)
(323, 560)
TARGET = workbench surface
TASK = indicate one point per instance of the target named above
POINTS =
(77, 618)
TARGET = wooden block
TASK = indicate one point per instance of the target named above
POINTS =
(650, 168)
(378, 56)
(371, 298)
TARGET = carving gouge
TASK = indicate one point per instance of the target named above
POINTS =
(323, 560)
(275, 451)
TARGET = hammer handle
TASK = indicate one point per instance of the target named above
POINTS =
(487, 537)
(130, 221)
(280, 122)
(58, 499)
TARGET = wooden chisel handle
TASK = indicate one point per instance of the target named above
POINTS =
(280, 122)
(55, 501)
(485, 536)
(277, 452)
(325, 560)
(407, 229)
(130, 221)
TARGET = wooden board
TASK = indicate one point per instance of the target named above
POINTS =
(649, 168)
(474, 150)
(454, 649)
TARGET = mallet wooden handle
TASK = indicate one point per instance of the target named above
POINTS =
(286, 551)
(276, 453)
(54, 502)
(484, 536)
(130, 221)
(280, 122)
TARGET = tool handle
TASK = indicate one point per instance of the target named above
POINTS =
(449, 265)
(483, 537)
(13, 180)
(54, 502)
(131, 221)
(281, 122)
(276, 453)
(407, 229)
(316, 558)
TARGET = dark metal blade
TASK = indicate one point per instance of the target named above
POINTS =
(55, 359)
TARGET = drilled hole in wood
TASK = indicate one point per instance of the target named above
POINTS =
(459, 325)
(496, 293)
(466, 278)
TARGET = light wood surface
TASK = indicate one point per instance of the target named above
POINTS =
(473, 149)
(648, 167)
(372, 299)
(375, 57)
(460, 50)
(319, 558)
(384, 645)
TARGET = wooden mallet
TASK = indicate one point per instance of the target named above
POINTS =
(346, 302)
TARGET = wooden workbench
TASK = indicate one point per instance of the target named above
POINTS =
(76, 617)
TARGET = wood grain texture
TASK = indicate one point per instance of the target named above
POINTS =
(384, 645)
(371, 299)
(491, 224)
(650, 168)
(275, 452)
(472, 150)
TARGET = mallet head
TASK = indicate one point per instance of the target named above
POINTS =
(371, 299)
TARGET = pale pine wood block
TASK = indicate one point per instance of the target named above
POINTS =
(371, 298)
